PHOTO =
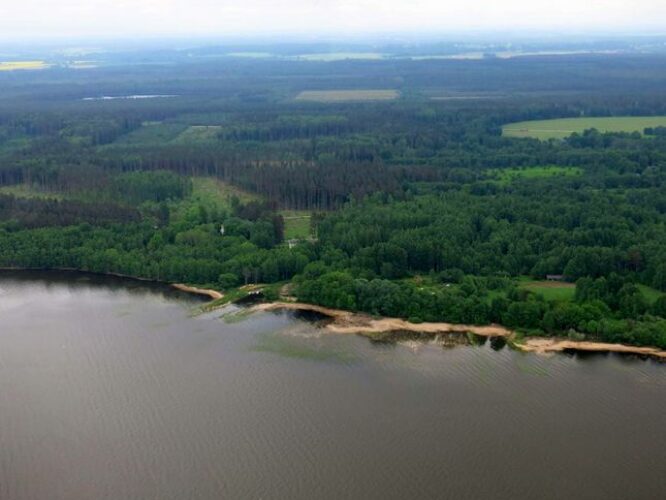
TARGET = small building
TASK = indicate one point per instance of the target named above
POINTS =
(555, 277)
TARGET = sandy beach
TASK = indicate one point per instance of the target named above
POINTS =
(345, 322)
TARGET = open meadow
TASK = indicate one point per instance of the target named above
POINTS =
(564, 127)
(296, 224)
(15, 65)
(347, 95)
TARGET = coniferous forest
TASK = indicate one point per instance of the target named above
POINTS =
(418, 206)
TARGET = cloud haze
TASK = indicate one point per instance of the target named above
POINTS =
(32, 18)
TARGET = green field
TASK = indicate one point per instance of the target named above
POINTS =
(347, 95)
(26, 191)
(198, 133)
(507, 175)
(14, 65)
(296, 224)
(561, 128)
(150, 133)
(210, 193)
(551, 290)
(650, 294)
(341, 56)
(562, 291)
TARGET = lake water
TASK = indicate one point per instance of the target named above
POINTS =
(113, 389)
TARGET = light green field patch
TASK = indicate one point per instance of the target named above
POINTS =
(211, 191)
(347, 95)
(14, 144)
(26, 191)
(650, 294)
(150, 134)
(199, 133)
(556, 291)
(508, 175)
(210, 194)
(82, 64)
(341, 56)
(564, 127)
(17, 65)
(296, 224)
(251, 55)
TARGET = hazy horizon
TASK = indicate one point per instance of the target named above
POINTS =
(36, 19)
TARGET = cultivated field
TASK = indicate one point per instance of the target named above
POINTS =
(14, 65)
(561, 128)
(347, 95)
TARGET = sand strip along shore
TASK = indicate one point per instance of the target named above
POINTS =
(349, 322)
(345, 322)
(545, 345)
(213, 294)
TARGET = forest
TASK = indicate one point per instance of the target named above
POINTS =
(417, 207)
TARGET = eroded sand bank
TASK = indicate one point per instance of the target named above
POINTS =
(345, 322)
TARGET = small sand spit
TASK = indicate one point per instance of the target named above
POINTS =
(213, 294)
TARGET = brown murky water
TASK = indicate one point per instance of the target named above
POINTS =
(111, 389)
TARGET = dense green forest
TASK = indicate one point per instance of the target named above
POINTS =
(415, 207)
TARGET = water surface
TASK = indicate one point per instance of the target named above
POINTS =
(113, 389)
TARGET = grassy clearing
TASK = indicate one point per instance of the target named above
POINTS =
(508, 175)
(151, 133)
(556, 291)
(210, 193)
(213, 192)
(561, 128)
(562, 291)
(341, 56)
(347, 95)
(650, 294)
(251, 55)
(157, 133)
(296, 224)
(25, 191)
(18, 65)
(198, 133)
(15, 144)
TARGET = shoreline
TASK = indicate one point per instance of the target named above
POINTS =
(346, 323)
(212, 294)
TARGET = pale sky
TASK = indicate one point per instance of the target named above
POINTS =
(44, 18)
